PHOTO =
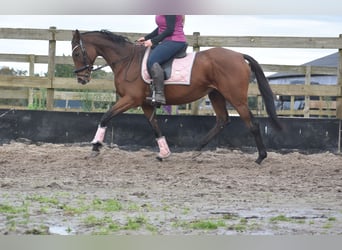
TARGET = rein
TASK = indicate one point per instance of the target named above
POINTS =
(85, 59)
(91, 67)
(100, 67)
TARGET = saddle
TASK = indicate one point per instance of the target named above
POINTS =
(167, 66)
(177, 70)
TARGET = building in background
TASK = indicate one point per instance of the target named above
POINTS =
(283, 102)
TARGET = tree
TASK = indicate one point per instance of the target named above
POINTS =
(64, 70)
(12, 72)
(11, 101)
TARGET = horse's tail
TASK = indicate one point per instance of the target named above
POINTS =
(265, 90)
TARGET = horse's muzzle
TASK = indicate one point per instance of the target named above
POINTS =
(83, 80)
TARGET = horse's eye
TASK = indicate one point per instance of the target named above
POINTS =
(76, 54)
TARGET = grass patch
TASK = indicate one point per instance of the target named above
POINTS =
(105, 225)
(71, 211)
(41, 230)
(8, 209)
(281, 218)
(138, 222)
(92, 221)
(113, 226)
(201, 224)
(110, 205)
(230, 216)
(15, 215)
(133, 207)
(135, 223)
(44, 200)
(331, 219)
(327, 225)
(240, 227)
(186, 211)
(254, 226)
(300, 221)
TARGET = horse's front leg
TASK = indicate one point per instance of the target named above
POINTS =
(164, 150)
(97, 142)
(121, 106)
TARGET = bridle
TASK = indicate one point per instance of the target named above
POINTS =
(85, 60)
(90, 67)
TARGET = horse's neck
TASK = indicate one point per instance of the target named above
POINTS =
(139, 53)
(113, 55)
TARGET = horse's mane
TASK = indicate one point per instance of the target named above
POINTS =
(111, 36)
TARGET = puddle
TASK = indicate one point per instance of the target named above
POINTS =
(60, 230)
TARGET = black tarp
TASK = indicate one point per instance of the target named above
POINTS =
(182, 132)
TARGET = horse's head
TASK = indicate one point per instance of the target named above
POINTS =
(83, 55)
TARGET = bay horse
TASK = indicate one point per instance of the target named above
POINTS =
(220, 73)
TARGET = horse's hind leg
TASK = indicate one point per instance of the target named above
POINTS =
(222, 119)
(254, 128)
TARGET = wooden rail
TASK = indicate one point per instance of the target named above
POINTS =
(53, 88)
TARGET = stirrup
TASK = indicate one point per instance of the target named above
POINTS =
(161, 96)
(152, 100)
(160, 102)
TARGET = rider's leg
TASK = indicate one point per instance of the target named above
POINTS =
(157, 74)
(159, 55)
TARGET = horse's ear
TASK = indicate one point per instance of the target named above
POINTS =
(75, 32)
(76, 35)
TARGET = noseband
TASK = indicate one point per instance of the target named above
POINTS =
(85, 60)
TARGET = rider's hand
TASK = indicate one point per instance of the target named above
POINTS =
(141, 39)
(148, 43)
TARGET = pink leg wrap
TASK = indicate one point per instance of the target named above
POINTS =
(99, 136)
(163, 147)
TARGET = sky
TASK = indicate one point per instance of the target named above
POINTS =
(219, 25)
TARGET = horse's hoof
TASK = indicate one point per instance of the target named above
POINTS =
(93, 154)
(161, 158)
(261, 158)
(96, 147)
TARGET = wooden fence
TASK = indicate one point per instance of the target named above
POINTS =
(34, 89)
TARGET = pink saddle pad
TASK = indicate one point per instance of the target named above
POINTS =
(180, 73)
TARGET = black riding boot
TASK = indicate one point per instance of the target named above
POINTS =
(157, 74)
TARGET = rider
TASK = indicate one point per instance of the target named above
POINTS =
(166, 40)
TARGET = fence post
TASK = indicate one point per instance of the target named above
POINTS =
(292, 105)
(31, 73)
(307, 98)
(339, 82)
(51, 69)
(339, 98)
(196, 48)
